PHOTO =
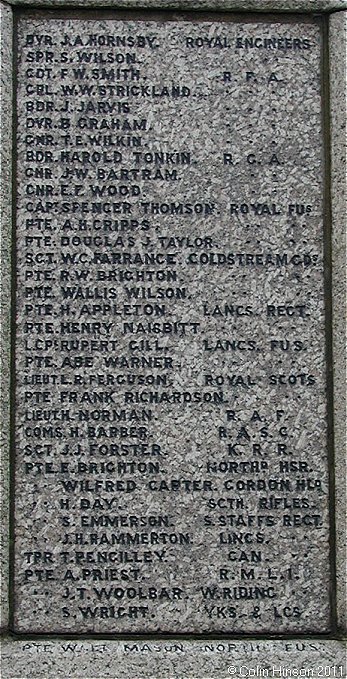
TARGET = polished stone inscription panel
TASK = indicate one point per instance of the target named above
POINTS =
(171, 416)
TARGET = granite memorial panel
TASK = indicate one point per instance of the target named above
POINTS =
(171, 408)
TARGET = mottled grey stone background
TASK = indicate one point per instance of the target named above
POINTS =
(42, 658)
(223, 5)
(139, 659)
(5, 286)
(337, 48)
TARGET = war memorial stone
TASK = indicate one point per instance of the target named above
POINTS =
(172, 425)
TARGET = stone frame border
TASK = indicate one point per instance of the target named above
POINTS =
(51, 658)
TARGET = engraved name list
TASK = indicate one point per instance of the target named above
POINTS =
(170, 416)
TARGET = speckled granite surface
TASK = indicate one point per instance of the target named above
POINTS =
(337, 34)
(221, 5)
(207, 135)
(5, 287)
(173, 659)
(144, 659)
